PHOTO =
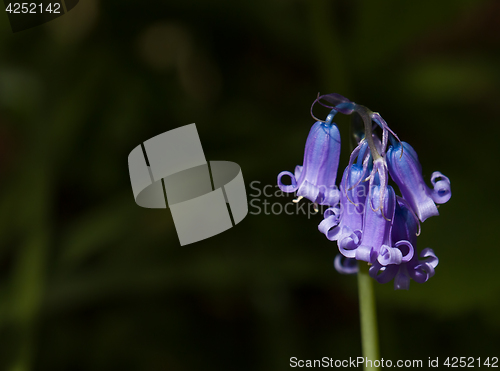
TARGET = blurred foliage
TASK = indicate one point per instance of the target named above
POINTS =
(90, 281)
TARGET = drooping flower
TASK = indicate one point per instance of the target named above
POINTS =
(405, 228)
(377, 225)
(344, 222)
(406, 171)
(315, 180)
(366, 218)
(361, 231)
(376, 245)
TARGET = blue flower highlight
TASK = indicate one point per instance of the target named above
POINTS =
(367, 218)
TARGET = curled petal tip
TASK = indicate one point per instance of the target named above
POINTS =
(284, 187)
(345, 265)
(442, 189)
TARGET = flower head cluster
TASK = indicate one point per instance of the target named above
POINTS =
(366, 217)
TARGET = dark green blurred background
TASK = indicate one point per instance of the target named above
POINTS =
(91, 281)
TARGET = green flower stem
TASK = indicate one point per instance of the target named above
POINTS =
(368, 315)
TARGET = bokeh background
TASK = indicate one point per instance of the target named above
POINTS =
(91, 281)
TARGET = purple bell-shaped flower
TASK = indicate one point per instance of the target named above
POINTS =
(404, 230)
(315, 180)
(406, 171)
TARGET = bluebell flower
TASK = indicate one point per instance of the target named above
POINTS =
(361, 231)
(315, 180)
(376, 225)
(366, 218)
(405, 228)
(406, 171)
(344, 222)
(376, 244)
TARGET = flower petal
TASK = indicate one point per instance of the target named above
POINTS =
(348, 241)
(442, 190)
(285, 187)
(345, 265)
(406, 172)
(383, 274)
(401, 281)
(377, 224)
(316, 178)
(329, 227)
(309, 191)
(406, 249)
(298, 171)
(389, 255)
